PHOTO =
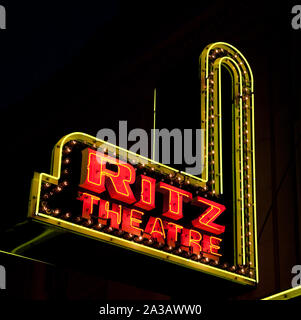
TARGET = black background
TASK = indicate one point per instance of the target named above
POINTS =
(69, 66)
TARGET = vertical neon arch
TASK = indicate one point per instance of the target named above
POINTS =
(213, 58)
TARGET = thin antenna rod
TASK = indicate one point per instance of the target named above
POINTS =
(154, 130)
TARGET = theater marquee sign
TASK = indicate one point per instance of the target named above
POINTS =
(111, 194)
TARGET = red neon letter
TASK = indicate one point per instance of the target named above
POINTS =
(155, 229)
(95, 175)
(146, 194)
(211, 244)
(172, 233)
(173, 200)
(88, 202)
(105, 213)
(205, 220)
(191, 239)
(131, 220)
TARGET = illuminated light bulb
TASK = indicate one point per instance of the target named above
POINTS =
(120, 232)
(153, 169)
(150, 241)
(205, 188)
(212, 125)
(66, 161)
(179, 250)
(212, 162)
(211, 81)
(77, 219)
(249, 233)
(56, 211)
(88, 222)
(47, 185)
(105, 149)
(246, 123)
(213, 56)
(249, 204)
(188, 181)
(170, 247)
(143, 165)
(199, 256)
(249, 223)
(233, 268)
(212, 116)
(110, 229)
(66, 171)
(130, 235)
(179, 178)
(250, 243)
(206, 259)
(212, 107)
(73, 142)
(65, 183)
(58, 189)
(67, 150)
(250, 263)
(250, 273)
(94, 145)
(245, 71)
(67, 215)
(140, 238)
(242, 270)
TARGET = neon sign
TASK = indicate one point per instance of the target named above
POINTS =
(103, 191)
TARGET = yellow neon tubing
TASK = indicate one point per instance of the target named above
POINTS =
(205, 69)
(286, 295)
